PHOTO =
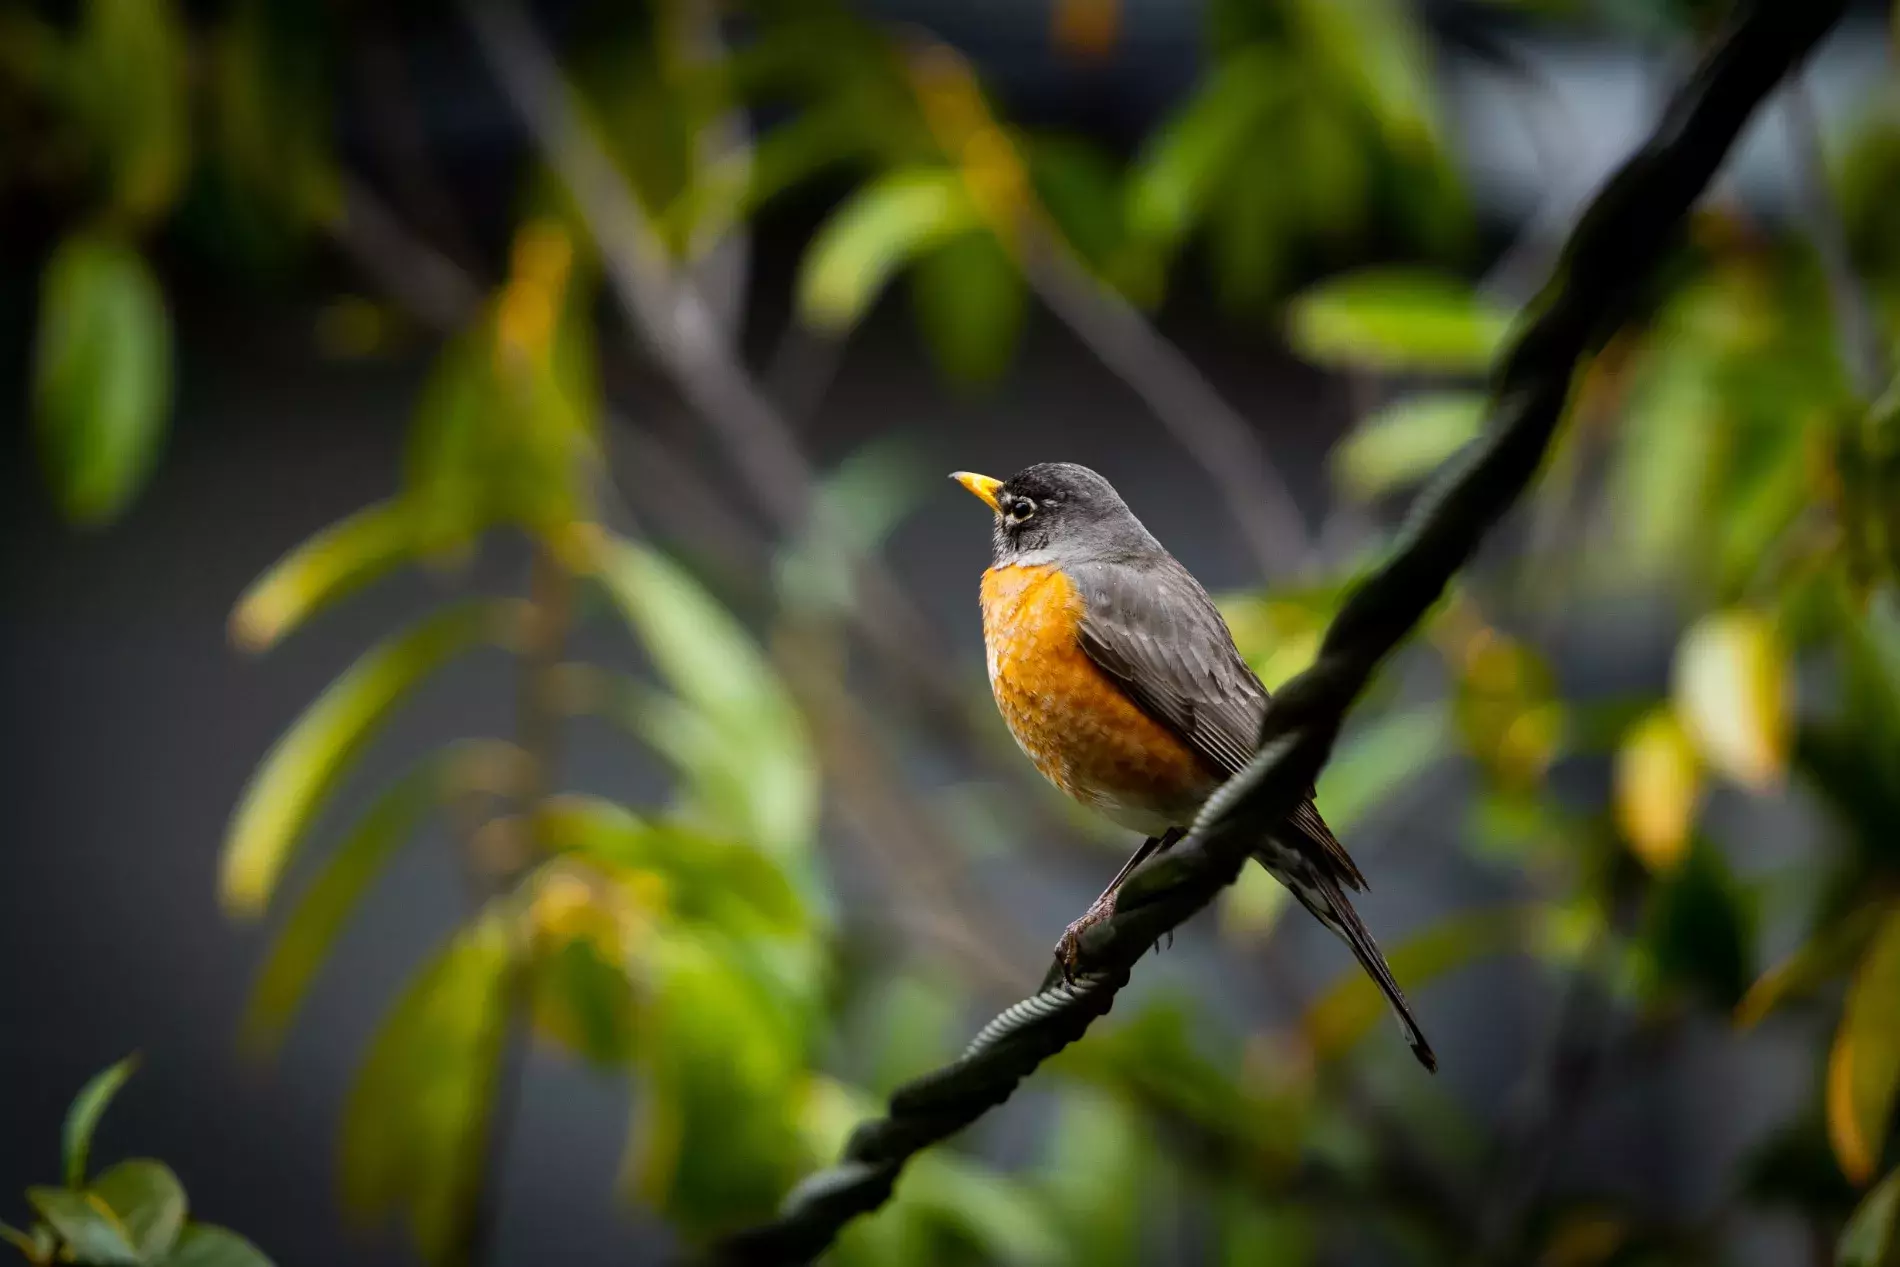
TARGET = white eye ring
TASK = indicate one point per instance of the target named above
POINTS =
(1020, 510)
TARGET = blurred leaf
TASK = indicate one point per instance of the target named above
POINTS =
(1868, 1240)
(1251, 906)
(149, 1203)
(272, 117)
(326, 567)
(584, 1001)
(1863, 1070)
(1378, 759)
(1825, 955)
(101, 375)
(38, 1246)
(82, 1119)
(739, 736)
(1155, 1060)
(207, 1245)
(914, 1026)
(325, 906)
(1658, 782)
(1253, 1233)
(879, 229)
(507, 427)
(1403, 442)
(719, 1139)
(1078, 184)
(857, 505)
(1732, 687)
(970, 303)
(1395, 320)
(127, 79)
(1099, 1164)
(1698, 932)
(1184, 160)
(1338, 1019)
(1376, 46)
(418, 1111)
(726, 884)
(305, 765)
(87, 1226)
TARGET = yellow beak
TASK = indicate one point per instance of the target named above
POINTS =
(981, 485)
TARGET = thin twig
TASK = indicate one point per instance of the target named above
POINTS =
(1212, 431)
(1620, 239)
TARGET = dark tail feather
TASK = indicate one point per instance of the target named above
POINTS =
(1321, 895)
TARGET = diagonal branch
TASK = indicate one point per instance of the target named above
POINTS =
(1619, 241)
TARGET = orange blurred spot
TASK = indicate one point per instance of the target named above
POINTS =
(1086, 29)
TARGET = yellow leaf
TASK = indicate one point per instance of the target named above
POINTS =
(1658, 781)
(310, 759)
(348, 554)
(1731, 693)
(1863, 1070)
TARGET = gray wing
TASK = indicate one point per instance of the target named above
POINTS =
(1157, 633)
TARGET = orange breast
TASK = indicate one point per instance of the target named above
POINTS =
(1074, 722)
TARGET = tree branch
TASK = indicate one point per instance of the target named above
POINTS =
(1620, 239)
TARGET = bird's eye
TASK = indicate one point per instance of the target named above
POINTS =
(1020, 510)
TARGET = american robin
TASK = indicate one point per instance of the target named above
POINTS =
(1120, 680)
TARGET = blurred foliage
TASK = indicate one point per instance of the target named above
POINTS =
(1719, 477)
(132, 1214)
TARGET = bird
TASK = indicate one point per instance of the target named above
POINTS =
(1120, 680)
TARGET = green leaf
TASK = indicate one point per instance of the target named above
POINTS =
(1099, 1167)
(101, 375)
(87, 1226)
(1080, 187)
(857, 505)
(1338, 1019)
(82, 1119)
(418, 1112)
(1378, 759)
(878, 230)
(1376, 46)
(1834, 946)
(1698, 930)
(207, 1245)
(304, 766)
(724, 884)
(1868, 1239)
(323, 909)
(970, 302)
(584, 1001)
(1406, 441)
(149, 1202)
(1394, 320)
(1181, 166)
(342, 558)
(735, 730)
(718, 1141)
(1863, 1069)
(127, 83)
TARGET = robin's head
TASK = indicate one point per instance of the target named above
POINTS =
(1056, 512)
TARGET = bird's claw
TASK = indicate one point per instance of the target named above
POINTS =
(1069, 948)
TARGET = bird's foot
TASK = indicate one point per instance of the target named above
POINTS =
(1069, 949)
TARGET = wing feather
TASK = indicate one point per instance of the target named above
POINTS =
(1159, 635)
